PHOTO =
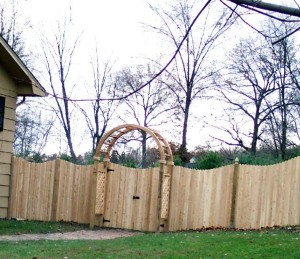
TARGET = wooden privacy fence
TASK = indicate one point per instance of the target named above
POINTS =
(51, 191)
(240, 196)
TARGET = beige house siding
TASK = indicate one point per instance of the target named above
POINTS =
(7, 90)
(15, 80)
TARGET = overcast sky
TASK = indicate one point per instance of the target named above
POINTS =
(116, 25)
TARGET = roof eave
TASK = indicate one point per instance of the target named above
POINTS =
(27, 84)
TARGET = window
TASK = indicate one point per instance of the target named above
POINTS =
(2, 108)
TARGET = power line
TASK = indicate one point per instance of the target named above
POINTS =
(269, 15)
(244, 21)
(286, 36)
(268, 6)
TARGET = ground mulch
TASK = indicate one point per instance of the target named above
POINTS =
(76, 235)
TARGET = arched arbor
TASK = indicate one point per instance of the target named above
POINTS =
(101, 169)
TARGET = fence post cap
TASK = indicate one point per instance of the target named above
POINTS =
(236, 160)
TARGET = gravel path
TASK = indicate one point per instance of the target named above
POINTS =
(76, 235)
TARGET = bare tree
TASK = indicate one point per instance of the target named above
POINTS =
(148, 107)
(12, 28)
(32, 131)
(295, 119)
(294, 72)
(190, 71)
(57, 58)
(283, 57)
(257, 86)
(248, 89)
(102, 111)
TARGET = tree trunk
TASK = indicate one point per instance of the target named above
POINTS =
(283, 124)
(183, 149)
(284, 106)
(72, 152)
(255, 133)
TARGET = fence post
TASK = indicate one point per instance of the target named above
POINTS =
(55, 189)
(234, 192)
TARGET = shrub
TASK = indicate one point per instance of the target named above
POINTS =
(259, 159)
(209, 160)
(65, 157)
(177, 160)
(292, 152)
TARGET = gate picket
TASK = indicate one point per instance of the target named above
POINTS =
(131, 198)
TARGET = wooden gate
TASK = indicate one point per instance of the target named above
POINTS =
(130, 198)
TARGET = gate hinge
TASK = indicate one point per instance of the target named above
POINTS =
(136, 197)
(110, 170)
(106, 220)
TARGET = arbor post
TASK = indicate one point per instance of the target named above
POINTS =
(166, 195)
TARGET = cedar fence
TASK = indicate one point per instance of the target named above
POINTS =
(240, 196)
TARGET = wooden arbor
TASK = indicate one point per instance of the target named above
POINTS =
(99, 176)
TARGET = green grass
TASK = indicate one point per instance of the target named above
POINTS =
(275, 243)
(11, 227)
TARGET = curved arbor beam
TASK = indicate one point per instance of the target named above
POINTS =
(165, 170)
(110, 138)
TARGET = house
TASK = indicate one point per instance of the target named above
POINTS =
(15, 80)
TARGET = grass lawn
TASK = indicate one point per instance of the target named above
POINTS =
(12, 227)
(275, 243)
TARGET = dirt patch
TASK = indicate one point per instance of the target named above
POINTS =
(76, 235)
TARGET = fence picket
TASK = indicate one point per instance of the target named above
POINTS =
(252, 197)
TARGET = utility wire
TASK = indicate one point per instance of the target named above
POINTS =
(268, 6)
(269, 15)
(286, 36)
(297, 4)
(278, 19)
(234, 10)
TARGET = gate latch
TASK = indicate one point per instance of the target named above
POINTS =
(136, 197)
